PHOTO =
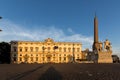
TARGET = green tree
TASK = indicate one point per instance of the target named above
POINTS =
(4, 52)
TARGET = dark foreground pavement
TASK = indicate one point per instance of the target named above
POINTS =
(60, 72)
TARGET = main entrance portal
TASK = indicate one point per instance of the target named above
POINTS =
(49, 57)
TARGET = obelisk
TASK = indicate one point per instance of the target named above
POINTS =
(95, 30)
(96, 41)
(99, 55)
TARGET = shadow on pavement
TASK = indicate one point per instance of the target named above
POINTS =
(51, 74)
(21, 75)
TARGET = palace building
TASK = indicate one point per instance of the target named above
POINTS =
(47, 51)
(50, 51)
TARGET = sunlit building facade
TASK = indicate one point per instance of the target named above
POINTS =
(47, 51)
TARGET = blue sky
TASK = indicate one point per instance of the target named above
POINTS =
(62, 20)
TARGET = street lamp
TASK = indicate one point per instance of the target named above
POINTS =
(0, 18)
(73, 53)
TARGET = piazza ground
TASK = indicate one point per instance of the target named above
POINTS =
(71, 71)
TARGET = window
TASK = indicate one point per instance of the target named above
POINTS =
(78, 49)
(20, 49)
(20, 43)
(53, 58)
(36, 58)
(59, 54)
(69, 49)
(64, 54)
(59, 58)
(14, 49)
(43, 58)
(48, 49)
(77, 44)
(14, 58)
(20, 59)
(53, 54)
(20, 54)
(31, 49)
(36, 54)
(37, 49)
(69, 44)
(31, 58)
(64, 49)
(14, 55)
(26, 49)
(73, 49)
(64, 58)
(60, 49)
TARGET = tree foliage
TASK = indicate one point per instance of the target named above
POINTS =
(4, 52)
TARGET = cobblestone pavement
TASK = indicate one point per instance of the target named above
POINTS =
(60, 71)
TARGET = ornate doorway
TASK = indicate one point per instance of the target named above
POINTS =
(49, 58)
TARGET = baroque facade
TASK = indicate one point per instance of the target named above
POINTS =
(47, 51)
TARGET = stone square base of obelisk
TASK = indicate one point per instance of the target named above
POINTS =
(105, 57)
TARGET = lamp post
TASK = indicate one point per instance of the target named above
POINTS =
(0, 18)
(73, 53)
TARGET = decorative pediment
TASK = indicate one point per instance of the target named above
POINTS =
(49, 40)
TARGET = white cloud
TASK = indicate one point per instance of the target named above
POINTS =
(12, 31)
(70, 30)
